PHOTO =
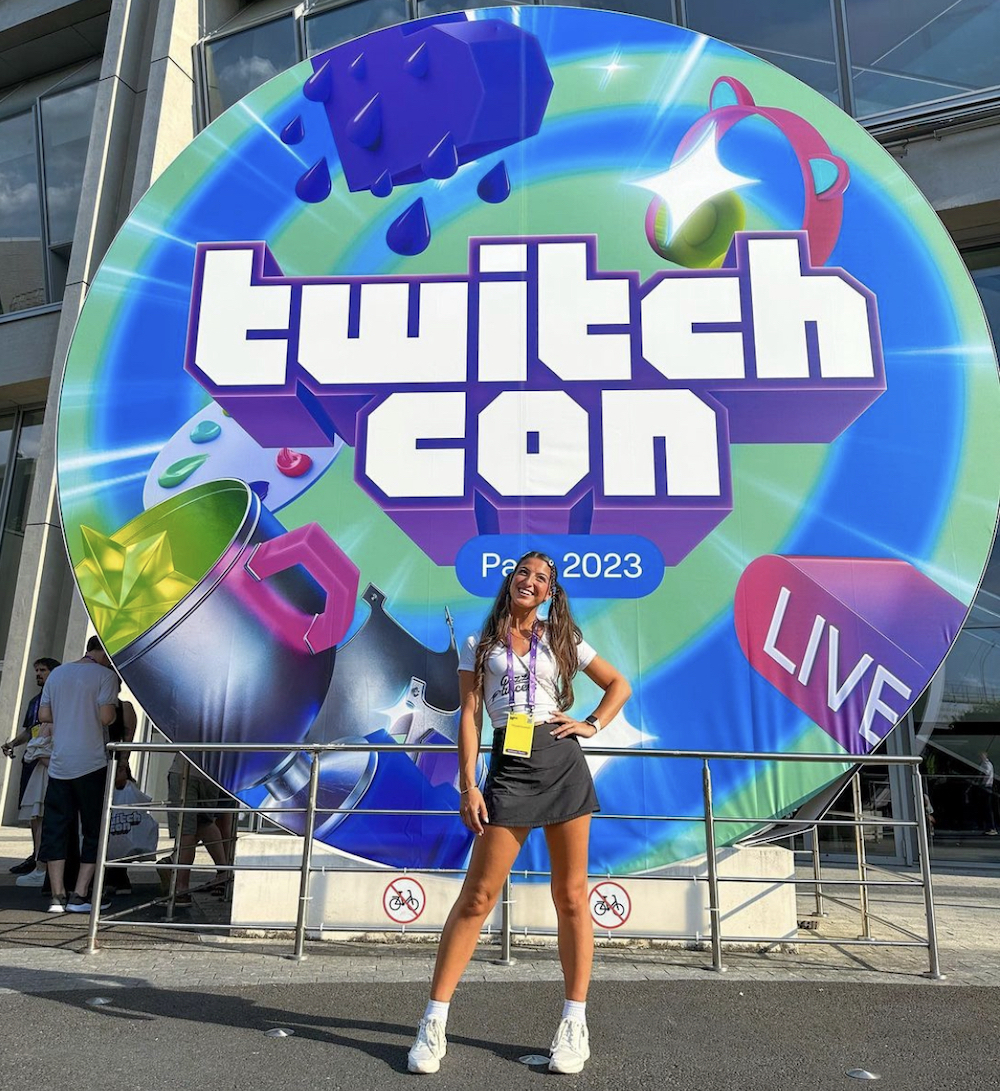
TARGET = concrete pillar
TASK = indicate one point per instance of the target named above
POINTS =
(144, 115)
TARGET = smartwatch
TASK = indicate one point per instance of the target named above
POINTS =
(593, 721)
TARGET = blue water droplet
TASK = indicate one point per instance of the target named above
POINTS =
(442, 159)
(205, 431)
(410, 233)
(417, 63)
(261, 488)
(365, 128)
(293, 132)
(315, 185)
(319, 86)
(382, 186)
(359, 67)
(494, 186)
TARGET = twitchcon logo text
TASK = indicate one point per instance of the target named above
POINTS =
(535, 390)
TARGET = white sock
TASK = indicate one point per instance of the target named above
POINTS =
(437, 1009)
(575, 1009)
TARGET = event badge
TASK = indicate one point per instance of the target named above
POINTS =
(520, 728)
(518, 734)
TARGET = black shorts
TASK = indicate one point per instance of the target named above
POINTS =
(64, 800)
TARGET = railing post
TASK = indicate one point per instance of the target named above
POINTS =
(178, 834)
(102, 852)
(714, 909)
(923, 845)
(859, 845)
(507, 900)
(817, 874)
(307, 850)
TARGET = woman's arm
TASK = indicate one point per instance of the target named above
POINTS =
(131, 721)
(473, 806)
(616, 692)
(123, 771)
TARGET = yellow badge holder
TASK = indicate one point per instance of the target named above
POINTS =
(518, 734)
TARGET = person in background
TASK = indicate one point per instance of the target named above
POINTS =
(30, 728)
(79, 701)
(197, 827)
(116, 880)
(984, 792)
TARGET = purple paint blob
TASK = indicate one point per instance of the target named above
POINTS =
(382, 186)
(442, 159)
(494, 186)
(315, 185)
(410, 233)
(443, 83)
(319, 86)
(293, 132)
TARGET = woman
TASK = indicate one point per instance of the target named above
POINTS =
(521, 669)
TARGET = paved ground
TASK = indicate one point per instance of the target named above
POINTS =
(189, 1008)
(707, 1036)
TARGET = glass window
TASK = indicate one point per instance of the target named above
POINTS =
(958, 717)
(66, 121)
(796, 37)
(438, 7)
(235, 65)
(21, 474)
(985, 268)
(330, 28)
(22, 279)
(663, 10)
(920, 51)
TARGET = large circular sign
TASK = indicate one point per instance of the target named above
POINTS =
(540, 277)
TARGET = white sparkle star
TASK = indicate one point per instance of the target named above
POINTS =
(620, 734)
(692, 181)
(611, 69)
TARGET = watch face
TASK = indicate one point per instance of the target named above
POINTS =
(544, 278)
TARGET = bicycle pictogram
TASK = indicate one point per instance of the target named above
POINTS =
(407, 898)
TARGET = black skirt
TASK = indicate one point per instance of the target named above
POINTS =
(553, 785)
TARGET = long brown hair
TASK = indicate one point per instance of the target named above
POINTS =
(561, 632)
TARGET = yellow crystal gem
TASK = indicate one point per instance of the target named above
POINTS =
(128, 587)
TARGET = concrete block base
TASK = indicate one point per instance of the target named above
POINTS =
(348, 898)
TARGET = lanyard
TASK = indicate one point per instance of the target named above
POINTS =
(532, 658)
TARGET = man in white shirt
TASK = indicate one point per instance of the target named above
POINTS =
(79, 702)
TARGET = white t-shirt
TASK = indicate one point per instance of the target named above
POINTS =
(75, 693)
(496, 686)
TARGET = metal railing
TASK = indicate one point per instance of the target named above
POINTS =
(709, 818)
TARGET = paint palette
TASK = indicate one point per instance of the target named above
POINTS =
(211, 446)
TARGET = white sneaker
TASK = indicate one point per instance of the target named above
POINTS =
(33, 878)
(570, 1048)
(431, 1045)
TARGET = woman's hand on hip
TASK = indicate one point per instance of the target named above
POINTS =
(473, 811)
(566, 726)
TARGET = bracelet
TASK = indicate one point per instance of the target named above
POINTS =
(465, 790)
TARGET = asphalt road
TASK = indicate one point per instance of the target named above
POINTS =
(703, 1036)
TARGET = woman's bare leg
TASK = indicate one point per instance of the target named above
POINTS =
(568, 852)
(493, 856)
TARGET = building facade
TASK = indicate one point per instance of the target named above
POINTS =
(98, 96)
